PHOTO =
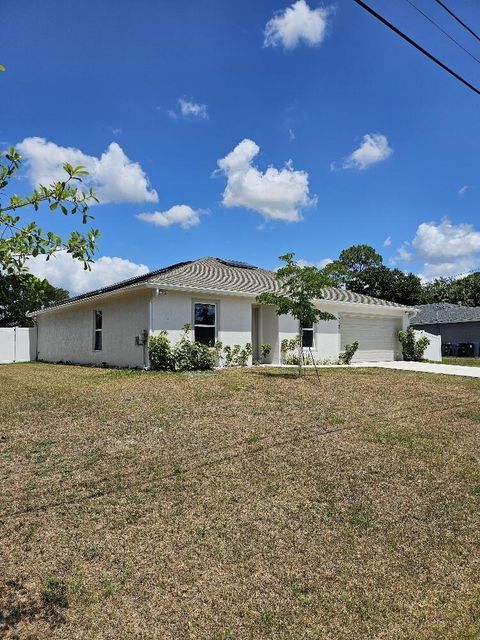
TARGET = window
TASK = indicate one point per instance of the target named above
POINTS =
(204, 323)
(97, 330)
(307, 335)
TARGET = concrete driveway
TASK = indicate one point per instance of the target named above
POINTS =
(425, 367)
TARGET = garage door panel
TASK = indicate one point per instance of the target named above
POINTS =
(377, 337)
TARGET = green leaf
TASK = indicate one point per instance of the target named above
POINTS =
(2, 68)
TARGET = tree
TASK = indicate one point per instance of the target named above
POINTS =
(389, 284)
(359, 257)
(22, 240)
(21, 293)
(300, 287)
(437, 290)
(464, 291)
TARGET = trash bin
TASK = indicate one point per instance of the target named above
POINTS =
(448, 349)
(466, 350)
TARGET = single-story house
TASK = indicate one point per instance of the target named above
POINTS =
(454, 323)
(218, 299)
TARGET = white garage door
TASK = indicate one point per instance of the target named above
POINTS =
(377, 337)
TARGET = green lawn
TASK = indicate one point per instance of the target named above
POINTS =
(239, 505)
(466, 362)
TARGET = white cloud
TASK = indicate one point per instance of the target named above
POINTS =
(180, 214)
(373, 149)
(189, 110)
(387, 242)
(445, 249)
(63, 271)
(445, 240)
(291, 135)
(320, 264)
(276, 194)
(455, 269)
(462, 190)
(113, 176)
(296, 23)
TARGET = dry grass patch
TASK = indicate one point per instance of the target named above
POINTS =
(244, 504)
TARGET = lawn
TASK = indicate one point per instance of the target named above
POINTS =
(245, 504)
(465, 362)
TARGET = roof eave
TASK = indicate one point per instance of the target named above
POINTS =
(74, 303)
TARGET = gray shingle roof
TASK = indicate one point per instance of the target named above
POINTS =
(225, 275)
(217, 274)
(445, 313)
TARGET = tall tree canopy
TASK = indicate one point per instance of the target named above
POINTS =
(23, 292)
(20, 240)
(360, 269)
(359, 257)
(464, 291)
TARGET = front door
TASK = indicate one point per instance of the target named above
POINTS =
(255, 332)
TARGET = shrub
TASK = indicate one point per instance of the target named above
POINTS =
(217, 349)
(160, 352)
(192, 356)
(346, 356)
(265, 349)
(243, 355)
(412, 349)
(186, 355)
(236, 355)
(289, 350)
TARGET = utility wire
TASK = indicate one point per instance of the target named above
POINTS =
(442, 30)
(455, 17)
(417, 46)
(308, 434)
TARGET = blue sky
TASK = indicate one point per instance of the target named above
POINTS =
(177, 86)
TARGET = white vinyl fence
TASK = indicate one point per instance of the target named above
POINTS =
(17, 344)
(434, 350)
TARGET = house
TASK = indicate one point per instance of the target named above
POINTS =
(218, 298)
(454, 323)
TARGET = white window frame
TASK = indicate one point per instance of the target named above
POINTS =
(95, 330)
(209, 326)
(312, 329)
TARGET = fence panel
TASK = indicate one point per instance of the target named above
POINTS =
(17, 344)
(434, 350)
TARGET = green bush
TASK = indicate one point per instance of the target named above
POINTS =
(412, 349)
(265, 349)
(160, 352)
(236, 355)
(346, 356)
(289, 350)
(192, 356)
(186, 355)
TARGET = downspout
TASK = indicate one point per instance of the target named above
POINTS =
(148, 332)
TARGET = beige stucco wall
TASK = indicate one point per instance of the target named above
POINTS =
(66, 335)
(172, 310)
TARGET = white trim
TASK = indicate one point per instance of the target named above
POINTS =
(207, 326)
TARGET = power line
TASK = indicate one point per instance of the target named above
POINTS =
(442, 4)
(442, 30)
(417, 46)
(308, 434)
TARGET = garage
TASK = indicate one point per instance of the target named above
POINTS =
(377, 337)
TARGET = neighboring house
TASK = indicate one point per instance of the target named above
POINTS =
(454, 323)
(218, 298)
